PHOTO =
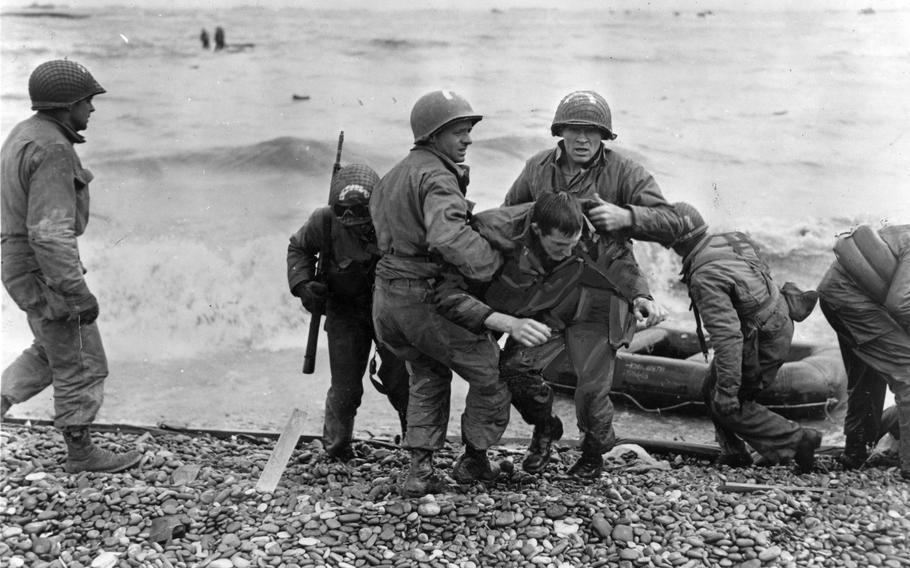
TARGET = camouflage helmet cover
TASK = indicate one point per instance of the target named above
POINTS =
(583, 108)
(60, 83)
(350, 192)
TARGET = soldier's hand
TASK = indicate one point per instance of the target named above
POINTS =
(88, 315)
(725, 404)
(648, 312)
(608, 217)
(312, 295)
(529, 332)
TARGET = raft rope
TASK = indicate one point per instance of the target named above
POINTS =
(830, 402)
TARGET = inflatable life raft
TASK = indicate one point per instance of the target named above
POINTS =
(663, 369)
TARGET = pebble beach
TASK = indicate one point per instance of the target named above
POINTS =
(193, 502)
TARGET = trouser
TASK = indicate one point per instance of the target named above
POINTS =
(872, 360)
(350, 337)
(406, 323)
(583, 350)
(68, 356)
(770, 434)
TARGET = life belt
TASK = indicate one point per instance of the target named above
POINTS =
(868, 260)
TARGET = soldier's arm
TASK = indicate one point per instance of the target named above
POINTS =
(721, 322)
(303, 249)
(51, 224)
(449, 234)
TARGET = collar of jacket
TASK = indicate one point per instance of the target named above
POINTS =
(462, 172)
(690, 258)
(71, 134)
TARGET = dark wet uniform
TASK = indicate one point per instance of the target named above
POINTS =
(349, 323)
(421, 218)
(584, 299)
(875, 343)
(751, 331)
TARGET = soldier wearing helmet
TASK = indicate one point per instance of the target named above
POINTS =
(45, 207)
(750, 326)
(342, 234)
(421, 218)
(620, 198)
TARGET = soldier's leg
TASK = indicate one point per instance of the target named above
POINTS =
(350, 339)
(776, 438)
(521, 368)
(25, 377)
(733, 451)
(393, 374)
(76, 356)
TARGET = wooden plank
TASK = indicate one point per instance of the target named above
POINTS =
(732, 487)
(278, 461)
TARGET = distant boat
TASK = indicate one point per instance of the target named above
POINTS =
(663, 369)
(300, 97)
(36, 10)
(867, 11)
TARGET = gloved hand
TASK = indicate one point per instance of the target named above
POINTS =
(312, 295)
(88, 315)
(725, 404)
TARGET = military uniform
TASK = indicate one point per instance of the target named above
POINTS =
(421, 217)
(875, 345)
(748, 321)
(349, 275)
(584, 299)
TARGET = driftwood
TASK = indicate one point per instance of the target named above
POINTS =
(732, 487)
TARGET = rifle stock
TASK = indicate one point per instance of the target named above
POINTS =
(309, 357)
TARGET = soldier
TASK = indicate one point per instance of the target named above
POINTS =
(579, 287)
(620, 197)
(343, 235)
(421, 217)
(45, 207)
(750, 326)
(873, 328)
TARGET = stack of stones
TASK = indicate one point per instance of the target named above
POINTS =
(193, 503)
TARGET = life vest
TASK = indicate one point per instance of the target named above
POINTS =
(867, 259)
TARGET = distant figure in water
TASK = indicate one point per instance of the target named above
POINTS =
(219, 38)
(45, 208)
(204, 38)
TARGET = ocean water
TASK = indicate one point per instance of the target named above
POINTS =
(790, 125)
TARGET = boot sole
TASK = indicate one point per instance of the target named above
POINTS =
(80, 469)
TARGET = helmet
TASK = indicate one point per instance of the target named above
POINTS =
(583, 108)
(691, 223)
(60, 83)
(435, 110)
(349, 194)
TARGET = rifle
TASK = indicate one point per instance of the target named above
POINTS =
(309, 358)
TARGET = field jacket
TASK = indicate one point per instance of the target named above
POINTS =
(732, 291)
(598, 281)
(45, 207)
(613, 177)
(351, 259)
(421, 217)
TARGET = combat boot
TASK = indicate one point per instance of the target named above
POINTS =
(589, 466)
(734, 460)
(805, 450)
(474, 465)
(855, 453)
(83, 455)
(422, 478)
(538, 455)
